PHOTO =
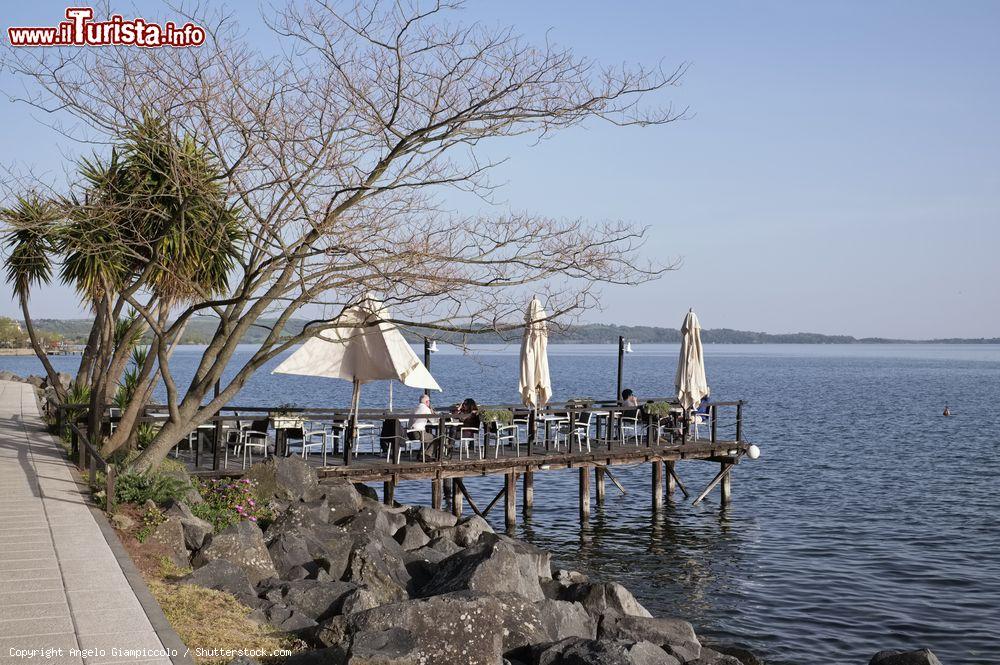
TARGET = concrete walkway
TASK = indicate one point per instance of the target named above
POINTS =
(61, 586)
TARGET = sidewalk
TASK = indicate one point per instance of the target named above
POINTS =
(61, 586)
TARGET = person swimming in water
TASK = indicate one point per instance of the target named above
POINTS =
(947, 412)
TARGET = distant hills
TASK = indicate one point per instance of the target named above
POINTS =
(200, 331)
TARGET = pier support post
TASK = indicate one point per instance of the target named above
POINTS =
(437, 492)
(725, 487)
(388, 492)
(510, 500)
(657, 484)
(599, 482)
(529, 492)
(671, 483)
(456, 499)
(584, 493)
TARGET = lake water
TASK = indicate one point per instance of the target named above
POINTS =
(869, 522)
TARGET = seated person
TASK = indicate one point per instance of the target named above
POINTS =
(417, 430)
(468, 413)
(630, 400)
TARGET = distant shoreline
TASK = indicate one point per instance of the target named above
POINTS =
(199, 331)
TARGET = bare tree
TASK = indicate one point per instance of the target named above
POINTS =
(334, 145)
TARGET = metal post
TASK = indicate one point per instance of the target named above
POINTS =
(621, 365)
(739, 421)
(427, 360)
(715, 422)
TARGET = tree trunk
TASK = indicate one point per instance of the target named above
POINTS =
(43, 357)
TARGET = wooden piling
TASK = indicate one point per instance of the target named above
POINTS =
(456, 501)
(599, 482)
(584, 493)
(388, 492)
(510, 500)
(671, 486)
(725, 487)
(657, 484)
(437, 492)
(529, 492)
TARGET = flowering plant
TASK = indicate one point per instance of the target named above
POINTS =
(230, 500)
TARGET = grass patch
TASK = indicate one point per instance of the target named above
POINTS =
(209, 620)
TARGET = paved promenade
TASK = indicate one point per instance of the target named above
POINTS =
(61, 586)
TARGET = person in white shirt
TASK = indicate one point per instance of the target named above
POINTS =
(424, 408)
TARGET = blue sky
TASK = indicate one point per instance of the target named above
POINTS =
(839, 171)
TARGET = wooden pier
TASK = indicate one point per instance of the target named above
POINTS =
(662, 444)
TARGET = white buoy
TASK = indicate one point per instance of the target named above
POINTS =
(753, 452)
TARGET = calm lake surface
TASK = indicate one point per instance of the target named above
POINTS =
(869, 522)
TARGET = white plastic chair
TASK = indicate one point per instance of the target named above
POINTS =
(312, 431)
(469, 437)
(507, 435)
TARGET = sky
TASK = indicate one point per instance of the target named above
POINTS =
(838, 170)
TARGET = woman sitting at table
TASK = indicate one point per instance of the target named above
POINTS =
(468, 413)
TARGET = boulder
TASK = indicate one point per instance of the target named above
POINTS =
(331, 547)
(359, 600)
(343, 498)
(170, 535)
(122, 522)
(289, 550)
(411, 537)
(222, 575)
(490, 567)
(742, 655)
(431, 519)
(196, 530)
(444, 629)
(371, 565)
(566, 578)
(285, 478)
(918, 657)
(542, 559)
(605, 598)
(373, 518)
(242, 544)
(712, 657)
(525, 623)
(444, 545)
(366, 491)
(312, 598)
(178, 471)
(468, 530)
(329, 656)
(296, 518)
(675, 635)
(34, 380)
(283, 618)
(582, 651)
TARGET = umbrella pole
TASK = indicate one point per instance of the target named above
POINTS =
(352, 422)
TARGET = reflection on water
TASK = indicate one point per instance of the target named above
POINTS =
(870, 521)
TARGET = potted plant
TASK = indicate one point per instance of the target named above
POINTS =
(494, 418)
(283, 417)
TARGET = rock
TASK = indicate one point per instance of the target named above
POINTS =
(283, 618)
(431, 519)
(469, 529)
(445, 546)
(422, 564)
(35, 381)
(542, 559)
(566, 578)
(918, 657)
(122, 522)
(676, 636)
(444, 629)
(605, 598)
(375, 568)
(581, 651)
(297, 518)
(196, 530)
(343, 498)
(525, 623)
(314, 599)
(242, 544)
(289, 550)
(742, 655)
(490, 567)
(243, 660)
(149, 505)
(374, 519)
(7, 376)
(366, 492)
(712, 657)
(285, 478)
(359, 600)
(170, 535)
(223, 575)
(329, 656)
(411, 537)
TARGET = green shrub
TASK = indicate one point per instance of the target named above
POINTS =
(229, 500)
(500, 416)
(133, 487)
(659, 409)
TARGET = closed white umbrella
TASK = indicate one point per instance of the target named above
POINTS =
(363, 347)
(690, 380)
(535, 385)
